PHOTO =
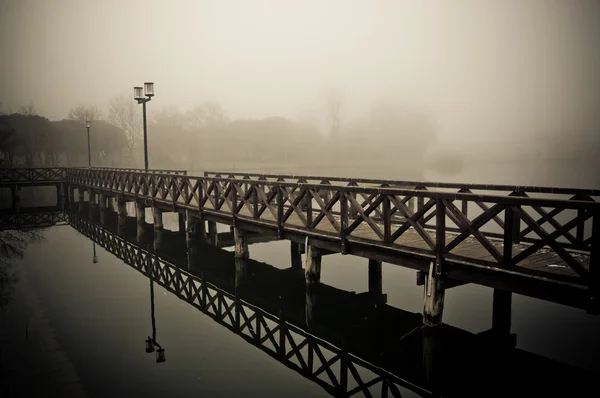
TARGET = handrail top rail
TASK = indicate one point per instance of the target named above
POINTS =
(433, 184)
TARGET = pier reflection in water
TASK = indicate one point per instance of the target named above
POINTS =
(349, 344)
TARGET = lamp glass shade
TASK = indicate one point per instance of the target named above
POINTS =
(149, 345)
(160, 355)
(88, 124)
(137, 93)
(149, 89)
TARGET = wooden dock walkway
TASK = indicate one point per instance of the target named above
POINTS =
(542, 242)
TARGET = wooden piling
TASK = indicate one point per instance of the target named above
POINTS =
(313, 265)
(92, 204)
(15, 192)
(310, 304)
(213, 237)
(375, 278)
(241, 270)
(501, 313)
(241, 243)
(181, 217)
(432, 359)
(434, 293)
(296, 254)
(122, 210)
(140, 213)
(81, 199)
(158, 219)
(110, 203)
(102, 208)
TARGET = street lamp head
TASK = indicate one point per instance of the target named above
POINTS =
(137, 93)
(88, 124)
(149, 345)
(149, 89)
(160, 355)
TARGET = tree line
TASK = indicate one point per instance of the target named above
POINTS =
(205, 136)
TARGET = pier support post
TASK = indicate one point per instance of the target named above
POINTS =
(122, 211)
(375, 278)
(213, 237)
(81, 199)
(92, 204)
(196, 230)
(60, 195)
(140, 214)
(313, 265)
(501, 313)
(157, 217)
(432, 359)
(71, 193)
(241, 270)
(110, 204)
(434, 294)
(241, 243)
(181, 217)
(296, 252)
(310, 304)
(158, 227)
(102, 208)
(140, 220)
(15, 192)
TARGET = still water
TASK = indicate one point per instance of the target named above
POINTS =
(99, 315)
(90, 321)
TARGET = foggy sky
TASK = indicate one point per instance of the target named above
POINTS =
(481, 69)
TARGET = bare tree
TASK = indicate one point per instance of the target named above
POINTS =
(27, 110)
(83, 113)
(207, 114)
(126, 114)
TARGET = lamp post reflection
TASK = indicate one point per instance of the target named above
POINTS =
(151, 341)
(95, 258)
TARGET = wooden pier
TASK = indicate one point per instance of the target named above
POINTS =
(542, 242)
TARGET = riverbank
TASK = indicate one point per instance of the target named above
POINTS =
(32, 363)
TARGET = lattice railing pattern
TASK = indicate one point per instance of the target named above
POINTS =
(32, 175)
(513, 231)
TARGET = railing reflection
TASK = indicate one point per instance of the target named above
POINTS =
(327, 343)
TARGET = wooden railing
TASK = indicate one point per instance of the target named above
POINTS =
(336, 370)
(438, 229)
(32, 220)
(37, 175)
(153, 171)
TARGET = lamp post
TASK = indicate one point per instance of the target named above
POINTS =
(139, 97)
(95, 258)
(88, 124)
(151, 341)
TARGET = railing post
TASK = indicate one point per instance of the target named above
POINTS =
(279, 211)
(387, 222)
(464, 202)
(440, 236)
(508, 234)
(233, 199)
(595, 261)
(343, 221)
